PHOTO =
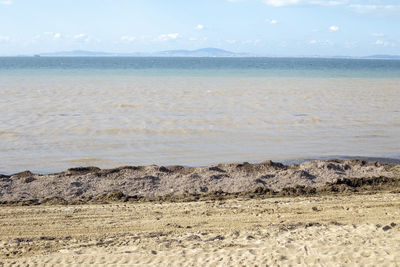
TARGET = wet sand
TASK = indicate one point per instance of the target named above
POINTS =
(351, 230)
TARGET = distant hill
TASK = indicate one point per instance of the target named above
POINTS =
(383, 57)
(204, 52)
(79, 53)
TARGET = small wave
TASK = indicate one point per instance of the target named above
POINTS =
(128, 106)
(119, 131)
(85, 160)
(9, 134)
(367, 136)
(313, 120)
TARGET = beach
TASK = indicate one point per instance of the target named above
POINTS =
(324, 213)
(200, 133)
(337, 230)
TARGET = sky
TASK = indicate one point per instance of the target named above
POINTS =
(262, 27)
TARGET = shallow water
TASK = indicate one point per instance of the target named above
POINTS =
(57, 113)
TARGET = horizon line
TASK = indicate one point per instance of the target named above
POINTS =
(207, 52)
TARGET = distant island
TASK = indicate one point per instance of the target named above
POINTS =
(383, 57)
(203, 52)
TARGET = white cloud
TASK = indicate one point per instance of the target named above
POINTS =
(90, 39)
(200, 27)
(328, 3)
(83, 37)
(168, 36)
(46, 37)
(6, 2)
(360, 6)
(278, 3)
(251, 42)
(127, 39)
(4, 39)
(374, 8)
(50, 35)
(231, 41)
(384, 43)
(321, 42)
(363, 8)
(333, 28)
(378, 34)
(271, 21)
(80, 36)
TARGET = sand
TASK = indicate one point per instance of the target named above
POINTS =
(319, 213)
(354, 230)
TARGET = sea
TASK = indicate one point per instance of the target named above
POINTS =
(57, 113)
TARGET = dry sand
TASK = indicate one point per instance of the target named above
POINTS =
(354, 230)
(318, 213)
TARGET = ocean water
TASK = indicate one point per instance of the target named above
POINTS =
(57, 113)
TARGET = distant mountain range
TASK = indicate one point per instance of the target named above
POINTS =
(383, 57)
(204, 52)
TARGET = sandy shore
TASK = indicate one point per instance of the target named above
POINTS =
(320, 213)
(354, 230)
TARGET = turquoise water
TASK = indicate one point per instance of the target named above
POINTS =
(263, 67)
(57, 113)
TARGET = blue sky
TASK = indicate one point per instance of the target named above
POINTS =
(266, 27)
